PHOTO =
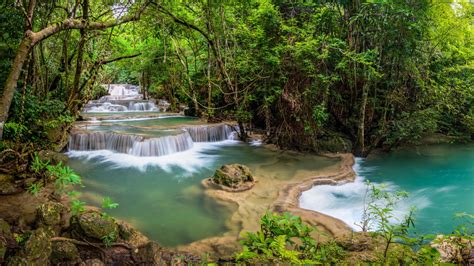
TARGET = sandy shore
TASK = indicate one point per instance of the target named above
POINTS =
(276, 195)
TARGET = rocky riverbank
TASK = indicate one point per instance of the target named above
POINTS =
(41, 228)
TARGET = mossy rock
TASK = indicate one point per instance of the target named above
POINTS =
(92, 262)
(53, 157)
(49, 213)
(233, 176)
(18, 261)
(131, 235)
(65, 252)
(36, 250)
(150, 254)
(5, 235)
(91, 224)
(7, 184)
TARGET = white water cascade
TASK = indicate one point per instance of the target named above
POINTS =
(123, 98)
(145, 146)
(211, 133)
(130, 144)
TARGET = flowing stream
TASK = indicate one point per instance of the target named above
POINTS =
(153, 169)
(439, 179)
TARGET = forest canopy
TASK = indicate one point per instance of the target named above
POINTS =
(312, 75)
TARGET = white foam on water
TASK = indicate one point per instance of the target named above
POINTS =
(346, 201)
(143, 118)
(191, 160)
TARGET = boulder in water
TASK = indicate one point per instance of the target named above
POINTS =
(93, 225)
(233, 177)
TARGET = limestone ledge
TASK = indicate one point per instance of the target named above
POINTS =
(277, 196)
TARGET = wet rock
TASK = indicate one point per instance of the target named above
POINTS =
(5, 235)
(150, 254)
(233, 177)
(7, 184)
(53, 157)
(65, 252)
(49, 214)
(18, 261)
(36, 251)
(91, 224)
(131, 235)
(454, 249)
(92, 262)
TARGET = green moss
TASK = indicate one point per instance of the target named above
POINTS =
(93, 225)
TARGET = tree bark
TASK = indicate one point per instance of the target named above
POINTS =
(74, 94)
(360, 147)
(12, 80)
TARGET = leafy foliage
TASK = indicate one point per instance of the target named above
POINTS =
(284, 238)
(63, 176)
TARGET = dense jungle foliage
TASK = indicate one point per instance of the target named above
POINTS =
(314, 75)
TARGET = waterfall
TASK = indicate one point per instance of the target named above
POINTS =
(138, 145)
(142, 106)
(210, 133)
(130, 144)
(122, 98)
(122, 89)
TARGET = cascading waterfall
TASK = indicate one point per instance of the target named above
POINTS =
(210, 133)
(142, 106)
(123, 98)
(130, 144)
(146, 146)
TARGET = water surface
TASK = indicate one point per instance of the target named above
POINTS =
(163, 196)
(439, 178)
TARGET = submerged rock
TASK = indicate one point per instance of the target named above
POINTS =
(233, 177)
(93, 225)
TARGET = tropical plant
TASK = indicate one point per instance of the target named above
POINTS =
(284, 238)
(63, 176)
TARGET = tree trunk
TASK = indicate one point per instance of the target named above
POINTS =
(360, 147)
(12, 80)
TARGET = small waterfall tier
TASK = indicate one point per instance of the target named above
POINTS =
(130, 144)
(211, 133)
(123, 98)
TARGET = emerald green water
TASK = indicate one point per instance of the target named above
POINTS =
(163, 197)
(439, 178)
